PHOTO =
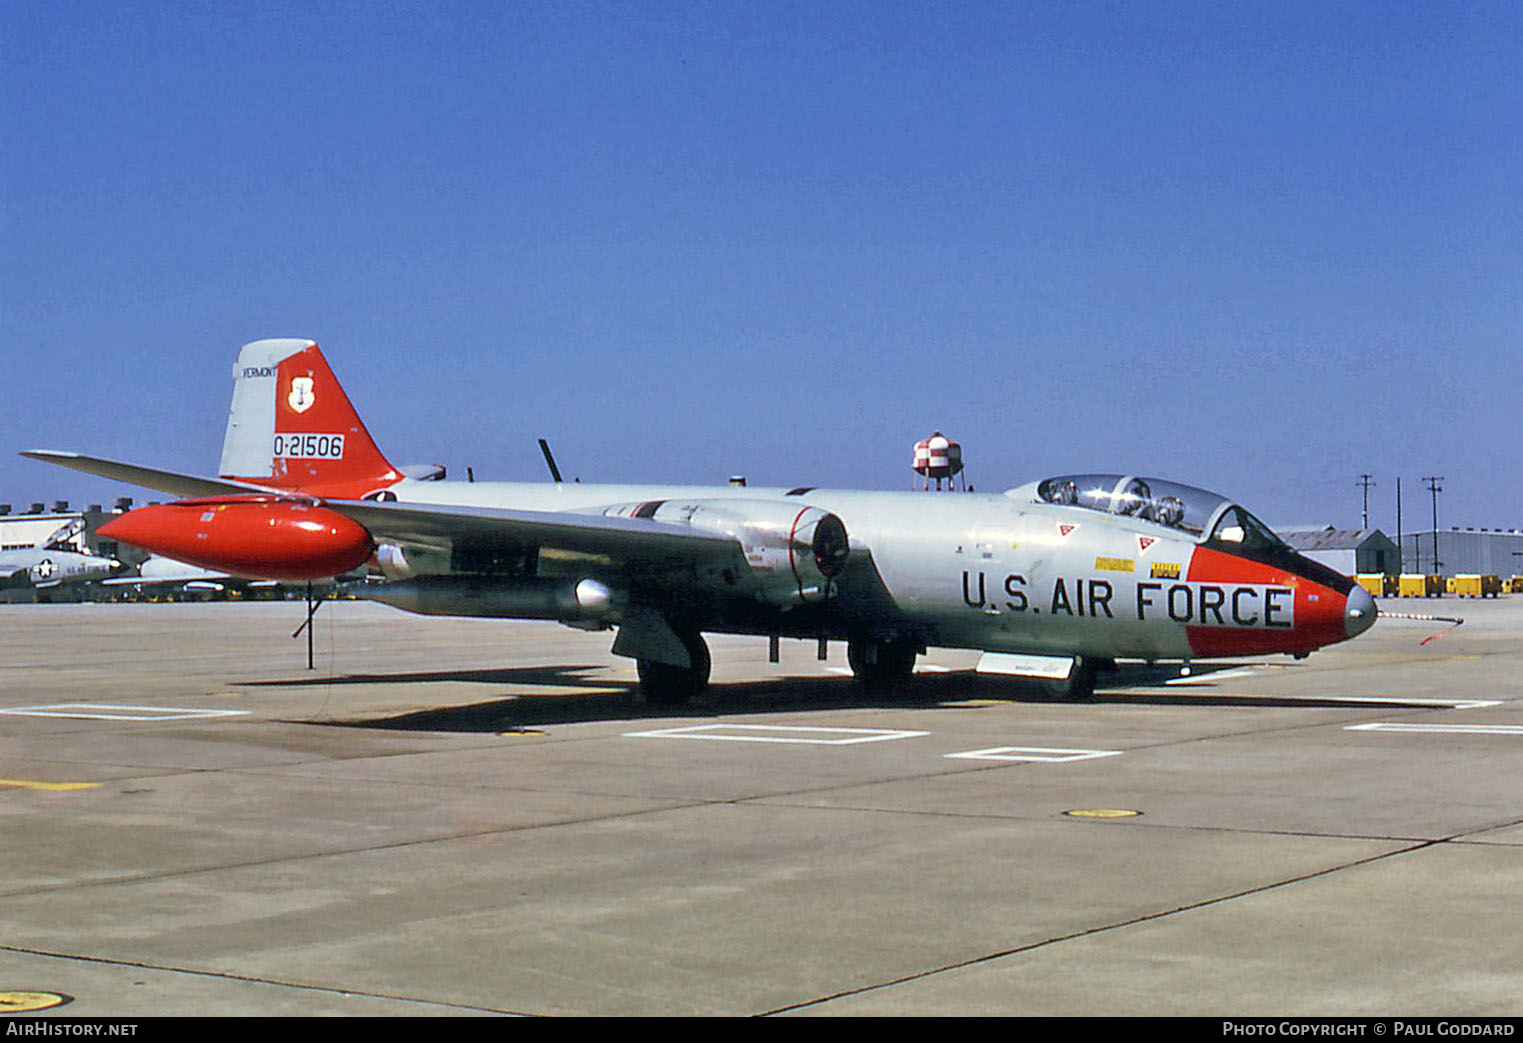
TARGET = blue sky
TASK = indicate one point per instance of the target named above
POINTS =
(1261, 248)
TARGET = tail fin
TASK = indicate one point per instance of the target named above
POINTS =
(292, 427)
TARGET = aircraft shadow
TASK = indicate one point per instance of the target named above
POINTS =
(612, 700)
(567, 676)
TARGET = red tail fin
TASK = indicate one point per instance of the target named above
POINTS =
(292, 427)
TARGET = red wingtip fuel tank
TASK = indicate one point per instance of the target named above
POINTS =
(258, 537)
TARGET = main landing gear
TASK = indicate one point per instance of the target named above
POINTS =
(882, 667)
(668, 685)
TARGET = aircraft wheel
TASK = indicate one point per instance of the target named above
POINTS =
(882, 666)
(668, 685)
(1078, 686)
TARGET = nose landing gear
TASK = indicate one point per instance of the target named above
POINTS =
(1079, 685)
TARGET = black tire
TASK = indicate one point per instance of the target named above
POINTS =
(882, 666)
(1078, 687)
(668, 685)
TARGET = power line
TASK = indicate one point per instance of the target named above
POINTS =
(1368, 482)
(1435, 489)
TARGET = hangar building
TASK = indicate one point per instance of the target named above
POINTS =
(1349, 551)
(1465, 551)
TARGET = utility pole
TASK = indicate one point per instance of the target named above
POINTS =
(1435, 489)
(1367, 481)
(1401, 563)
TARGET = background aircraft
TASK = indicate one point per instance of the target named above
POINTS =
(54, 562)
(44, 568)
(1054, 579)
(159, 573)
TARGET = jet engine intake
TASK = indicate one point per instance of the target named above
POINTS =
(397, 562)
(791, 552)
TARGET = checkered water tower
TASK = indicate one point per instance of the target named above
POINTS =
(938, 458)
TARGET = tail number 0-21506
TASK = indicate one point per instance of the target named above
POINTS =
(309, 447)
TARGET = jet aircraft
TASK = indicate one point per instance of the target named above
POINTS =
(167, 574)
(1055, 579)
(44, 568)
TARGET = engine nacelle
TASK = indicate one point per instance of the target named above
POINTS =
(256, 536)
(791, 551)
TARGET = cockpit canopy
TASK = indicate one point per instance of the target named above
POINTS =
(1170, 504)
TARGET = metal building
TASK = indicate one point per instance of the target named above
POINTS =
(1349, 551)
(20, 531)
(1467, 551)
(65, 529)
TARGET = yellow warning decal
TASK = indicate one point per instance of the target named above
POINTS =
(1116, 564)
(1162, 571)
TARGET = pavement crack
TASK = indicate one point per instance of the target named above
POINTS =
(1101, 929)
(254, 979)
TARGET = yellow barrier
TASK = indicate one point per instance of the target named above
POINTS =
(1476, 586)
(1418, 585)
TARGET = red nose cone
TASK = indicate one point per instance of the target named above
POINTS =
(253, 537)
(1250, 608)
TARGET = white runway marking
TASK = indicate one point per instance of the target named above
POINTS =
(1035, 754)
(776, 733)
(1453, 704)
(1209, 678)
(103, 712)
(923, 668)
(1440, 729)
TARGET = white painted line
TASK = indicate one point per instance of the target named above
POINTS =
(1036, 754)
(104, 712)
(925, 668)
(1440, 729)
(1212, 678)
(1452, 704)
(776, 733)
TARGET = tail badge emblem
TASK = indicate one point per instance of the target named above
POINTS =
(301, 396)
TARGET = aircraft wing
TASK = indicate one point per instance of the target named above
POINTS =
(184, 485)
(629, 544)
(179, 574)
(637, 548)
